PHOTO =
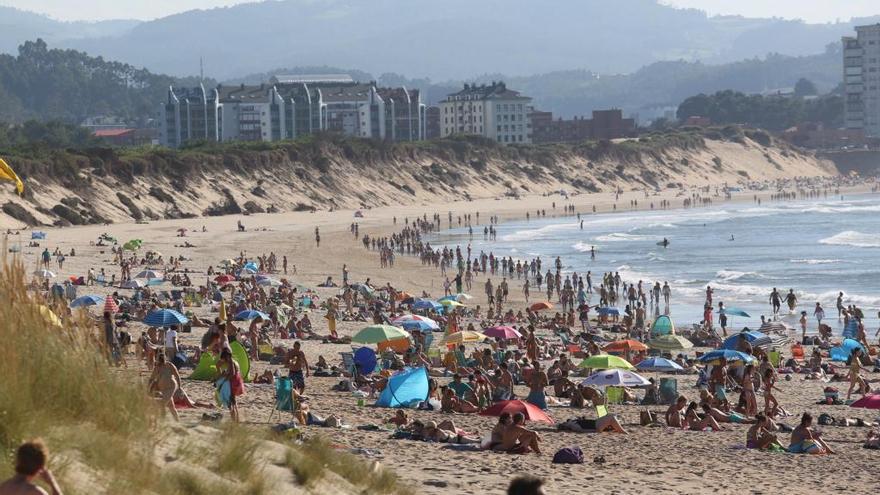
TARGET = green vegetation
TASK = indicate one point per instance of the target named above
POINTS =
(774, 113)
(68, 85)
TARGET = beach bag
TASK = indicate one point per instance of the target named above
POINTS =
(569, 455)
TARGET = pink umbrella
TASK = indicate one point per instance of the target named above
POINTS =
(870, 401)
(503, 332)
(410, 318)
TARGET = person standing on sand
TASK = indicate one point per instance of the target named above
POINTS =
(299, 368)
(30, 463)
(317, 238)
(229, 383)
(526, 290)
(536, 386)
(819, 313)
(165, 380)
(284, 264)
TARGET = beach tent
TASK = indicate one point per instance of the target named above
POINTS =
(662, 326)
(844, 350)
(670, 343)
(206, 370)
(851, 329)
(405, 388)
(38, 235)
(755, 338)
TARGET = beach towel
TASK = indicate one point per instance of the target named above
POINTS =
(223, 391)
(569, 455)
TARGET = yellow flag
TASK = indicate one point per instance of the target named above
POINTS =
(6, 173)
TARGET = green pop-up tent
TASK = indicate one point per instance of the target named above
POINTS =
(206, 370)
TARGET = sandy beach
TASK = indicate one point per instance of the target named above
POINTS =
(656, 459)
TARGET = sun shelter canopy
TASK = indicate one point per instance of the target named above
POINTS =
(405, 388)
(663, 326)
(844, 350)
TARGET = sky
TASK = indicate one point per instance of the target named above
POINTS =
(809, 10)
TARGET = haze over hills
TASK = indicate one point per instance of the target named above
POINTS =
(18, 26)
(452, 39)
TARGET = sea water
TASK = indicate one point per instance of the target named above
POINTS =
(742, 250)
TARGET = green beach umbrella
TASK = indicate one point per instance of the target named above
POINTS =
(132, 245)
(606, 362)
(670, 343)
(374, 334)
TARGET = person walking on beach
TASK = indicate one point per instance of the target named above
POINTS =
(526, 289)
(299, 368)
(31, 460)
(775, 302)
(317, 238)
(840, 308)
(819, 313)
(792, 300)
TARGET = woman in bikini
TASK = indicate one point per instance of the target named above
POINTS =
(693, 422)
(165, 380)
(771, 405)
(855, 368)
(748, 390)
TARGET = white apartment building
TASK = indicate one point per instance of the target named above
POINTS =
(861, 76)
(488, 110)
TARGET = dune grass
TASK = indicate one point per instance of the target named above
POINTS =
(310, 461)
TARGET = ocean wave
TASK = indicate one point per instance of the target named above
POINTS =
(814, 261)
(729, 275)
(621, 237)
(582, 247)
(539, 233)
(628, 274)
(854, 239)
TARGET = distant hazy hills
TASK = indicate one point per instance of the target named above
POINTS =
(440, 39)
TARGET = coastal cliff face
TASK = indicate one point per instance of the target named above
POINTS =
(76, 187)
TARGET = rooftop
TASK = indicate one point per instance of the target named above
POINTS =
(112, 132)
(312, 78)
(496, 90)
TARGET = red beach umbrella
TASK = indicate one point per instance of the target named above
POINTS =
(870, 401)
(110, 305)
(531, 411)
(541, 306)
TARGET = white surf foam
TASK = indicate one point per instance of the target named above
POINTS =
(854, 239)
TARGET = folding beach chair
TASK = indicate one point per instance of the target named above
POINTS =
(601, 410)
(668, 390)
(797, 352)
(775, 358)
(613, 395)
(348, 361)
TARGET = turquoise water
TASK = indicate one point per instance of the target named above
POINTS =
(815, 247)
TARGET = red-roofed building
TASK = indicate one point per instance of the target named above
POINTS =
(126, 137)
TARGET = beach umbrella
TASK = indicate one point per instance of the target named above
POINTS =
(775, 327)
(730, 355)
(418, 325)
(615, 378)
(148, 274)
(844, 350)
(735, 312)
(460, 297)
(869, 401)
(541, 306)
(89, 300)
(165, 318)
(251, 314)
(755, 338)
(609, 311)
(658, 364)
(606, 362)
(502, 332)
(425, 304)
(132, 245)
(43, 273)
(134, 284)
(464, 337)
(374, 334)
(269, 282)
(529, 410)
(450, 303)
(110, 305)
(411, 317)
(224, 279)
(670, 343)
(405, 389)
(625, 346)
(250, 265)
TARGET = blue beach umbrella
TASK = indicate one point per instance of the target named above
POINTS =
(165, 318)
(89, 300)
(418, 325)
(844, 350)
(609, 310)
(423, 304)
(755, 338)
(727, 354)
(735, 312)
(251, 314)
(658, 364)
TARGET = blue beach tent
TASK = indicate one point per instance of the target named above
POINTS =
(404, 389)
(844, 350)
